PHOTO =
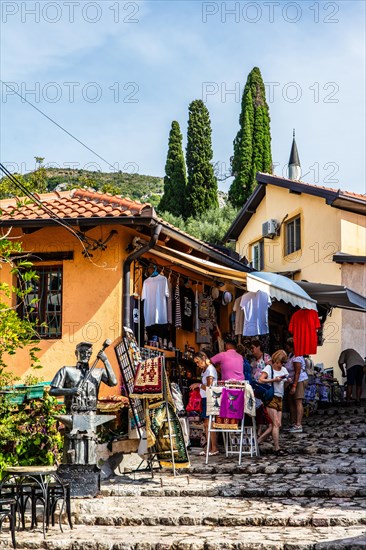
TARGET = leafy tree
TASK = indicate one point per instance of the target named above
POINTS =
(243, 150)
(175, 180)
(202, 183)
(16, 332)
(135, 186)
(211, 228)
(252, 145)
(35, 182)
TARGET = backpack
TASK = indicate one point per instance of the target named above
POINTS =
(264, 392)
(247, 371)
(309, 366)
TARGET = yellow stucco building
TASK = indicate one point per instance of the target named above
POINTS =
(309, 233)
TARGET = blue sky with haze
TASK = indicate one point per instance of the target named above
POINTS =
(115, 74)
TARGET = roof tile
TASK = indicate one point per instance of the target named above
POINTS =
(78, 203)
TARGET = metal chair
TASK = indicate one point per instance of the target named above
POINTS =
(7, 510)
(55, 493)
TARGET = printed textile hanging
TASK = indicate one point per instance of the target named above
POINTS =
(249, 400)
(232, 403)
(213, 395)
(148, 379)
(157, 429)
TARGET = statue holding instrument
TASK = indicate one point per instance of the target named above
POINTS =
(80, 386)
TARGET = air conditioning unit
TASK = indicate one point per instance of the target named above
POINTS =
(269, 229)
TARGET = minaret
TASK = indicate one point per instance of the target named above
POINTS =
(294, 168)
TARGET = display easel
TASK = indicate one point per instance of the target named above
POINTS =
(240, 441)
(128, 356)
(149, 353)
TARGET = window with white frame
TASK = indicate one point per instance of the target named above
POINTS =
(257, 255)
(292, 236)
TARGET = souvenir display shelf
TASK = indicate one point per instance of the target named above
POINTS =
(165, 352)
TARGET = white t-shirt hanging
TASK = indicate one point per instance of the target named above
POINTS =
(155, 293)
(255, 306)
(239, 317)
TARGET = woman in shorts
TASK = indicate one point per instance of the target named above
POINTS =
(209, 378)
(274, 407)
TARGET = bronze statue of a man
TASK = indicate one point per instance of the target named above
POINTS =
(78, 384)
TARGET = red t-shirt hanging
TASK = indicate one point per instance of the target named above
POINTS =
(303, 325)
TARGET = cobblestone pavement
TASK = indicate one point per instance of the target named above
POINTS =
(312, 498)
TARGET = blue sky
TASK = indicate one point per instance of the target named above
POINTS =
(115, 74)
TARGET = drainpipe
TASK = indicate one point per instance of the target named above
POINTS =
(126, 318)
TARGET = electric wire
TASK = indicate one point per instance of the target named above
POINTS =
(33, 197)
(82, 238)
(59, 125)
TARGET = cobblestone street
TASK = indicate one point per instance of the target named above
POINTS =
(312, 498)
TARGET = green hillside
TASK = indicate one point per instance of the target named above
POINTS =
(135, 186)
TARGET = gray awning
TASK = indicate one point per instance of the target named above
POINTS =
(280, 288)
(334, 296)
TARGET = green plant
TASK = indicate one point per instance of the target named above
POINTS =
(29, 432)
(16, 332)
(31, 379)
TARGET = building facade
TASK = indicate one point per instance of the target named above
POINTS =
(309, 233)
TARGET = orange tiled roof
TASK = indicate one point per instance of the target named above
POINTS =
(75, 204)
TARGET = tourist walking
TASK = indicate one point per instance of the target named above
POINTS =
(258, 362)
(275, 374)
(354, 364)
(296, 367)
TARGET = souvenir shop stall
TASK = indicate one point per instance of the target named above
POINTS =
(178, 311)
(276, 308)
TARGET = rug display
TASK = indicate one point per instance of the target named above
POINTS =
(157, 429)
(148, 379)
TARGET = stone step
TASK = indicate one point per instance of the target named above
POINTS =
(254, 486)
(188, 537)
(235, 512)
(336, 464)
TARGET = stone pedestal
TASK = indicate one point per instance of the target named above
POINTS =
(84, 479)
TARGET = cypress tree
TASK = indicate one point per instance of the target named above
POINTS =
(175, 180)
(252, 145)
(243, 147)
(202, 183)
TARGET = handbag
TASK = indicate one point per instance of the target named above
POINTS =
(195, 401)
(264, 392)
